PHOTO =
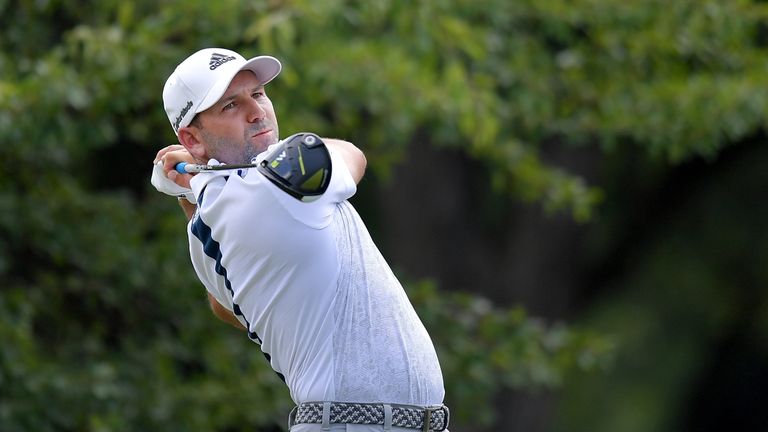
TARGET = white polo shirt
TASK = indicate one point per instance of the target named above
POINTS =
(313, 290)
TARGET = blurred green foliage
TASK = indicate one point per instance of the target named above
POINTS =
(104, 327)
(689, 305)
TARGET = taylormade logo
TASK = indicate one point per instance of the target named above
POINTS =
(218, 60)
(183, 112)
(278, 159)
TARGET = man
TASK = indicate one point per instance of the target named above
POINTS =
(302, 278)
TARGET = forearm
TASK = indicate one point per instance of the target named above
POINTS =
(353, 157)
(223, 313)
(188, 208)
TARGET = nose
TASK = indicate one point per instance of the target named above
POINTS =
(256, 112)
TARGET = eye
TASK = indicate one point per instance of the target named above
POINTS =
(258, 94)
(229, 106)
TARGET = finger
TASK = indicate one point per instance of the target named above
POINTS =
(179, 179)
(167, 149)
(171, 158)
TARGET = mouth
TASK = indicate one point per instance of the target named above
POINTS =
(262, 132)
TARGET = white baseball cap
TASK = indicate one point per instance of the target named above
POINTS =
(199, 81)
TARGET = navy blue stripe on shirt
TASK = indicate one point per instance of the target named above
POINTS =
(212, 248)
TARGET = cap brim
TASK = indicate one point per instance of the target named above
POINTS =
(266, 69)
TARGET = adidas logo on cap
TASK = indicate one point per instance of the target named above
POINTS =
(218, 60)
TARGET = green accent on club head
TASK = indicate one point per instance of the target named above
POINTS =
(314, 182)
(275, 163)
(301, 162)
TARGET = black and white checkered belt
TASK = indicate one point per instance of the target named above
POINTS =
(428, 419)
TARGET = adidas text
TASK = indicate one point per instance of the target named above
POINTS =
(218, 60)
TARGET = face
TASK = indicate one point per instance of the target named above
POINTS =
(240, 125)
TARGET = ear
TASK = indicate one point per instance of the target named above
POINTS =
(189, 137)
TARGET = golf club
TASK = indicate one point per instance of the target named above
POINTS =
(189, 168)
(300, 165)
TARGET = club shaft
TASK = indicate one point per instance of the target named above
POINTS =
(188, 168)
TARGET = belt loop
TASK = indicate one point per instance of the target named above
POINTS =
(326, 416)
(292, 417)
(387, 417)
(427, 417)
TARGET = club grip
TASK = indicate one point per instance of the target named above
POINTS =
(182, 168)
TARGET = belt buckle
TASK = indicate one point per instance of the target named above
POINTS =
(428, 411)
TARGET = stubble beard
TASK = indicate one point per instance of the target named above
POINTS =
(251, 148)
(229, 151)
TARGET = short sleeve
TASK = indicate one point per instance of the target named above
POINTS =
(317, 214)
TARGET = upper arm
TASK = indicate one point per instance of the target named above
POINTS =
(353, 157)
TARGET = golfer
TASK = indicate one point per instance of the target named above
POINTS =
(296, 270)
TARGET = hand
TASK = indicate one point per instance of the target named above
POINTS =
(170, 156)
